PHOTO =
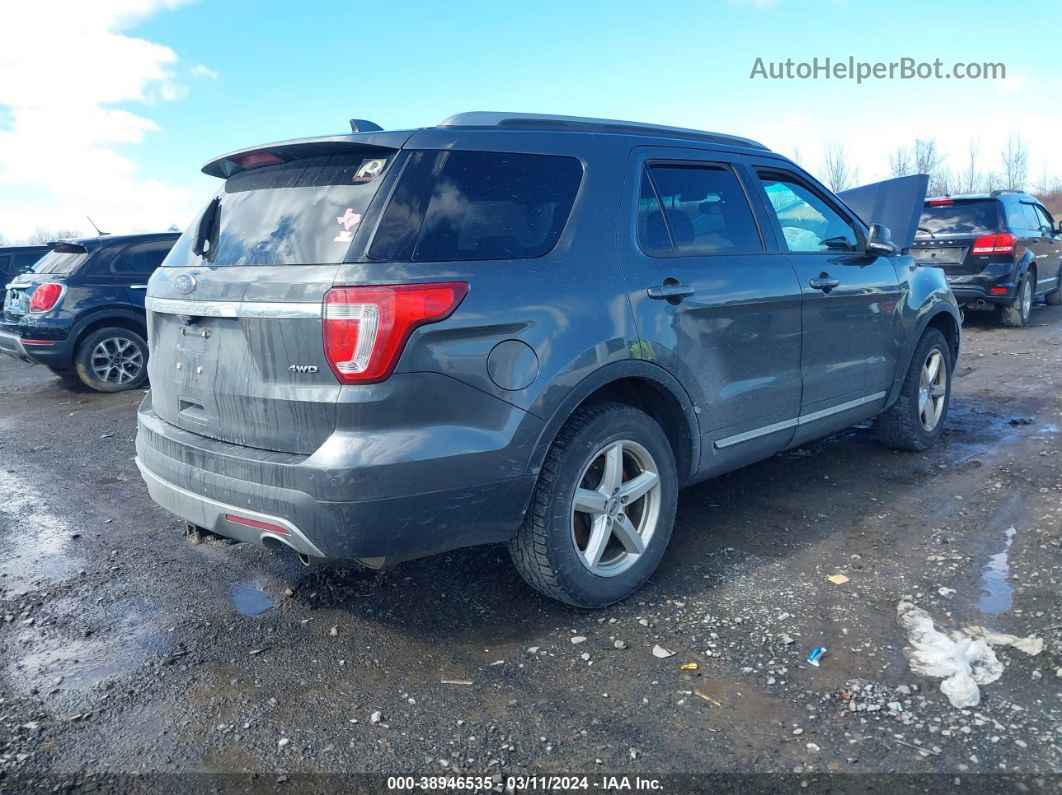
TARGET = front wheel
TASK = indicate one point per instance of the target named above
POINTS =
(603, 508)
(112, 360)
(916, 420)
(1016, 315)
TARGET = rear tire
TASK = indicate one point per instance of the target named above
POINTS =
(112, 359)
(603, 508)
(1054, 298)
(1016, 314)
(916, 420)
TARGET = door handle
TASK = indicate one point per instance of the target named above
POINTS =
(671, 290)
(824, 283)
(137, 286)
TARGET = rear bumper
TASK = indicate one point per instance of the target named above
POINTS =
(205, 481)
(51, 352)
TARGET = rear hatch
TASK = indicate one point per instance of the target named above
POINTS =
(53, 268)
(235, 312)
(949, 231)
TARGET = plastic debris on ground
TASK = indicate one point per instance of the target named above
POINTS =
(1031, 645)
(816, 655)
(960, 661)
(837, 579)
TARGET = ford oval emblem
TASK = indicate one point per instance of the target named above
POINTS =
(184, 283)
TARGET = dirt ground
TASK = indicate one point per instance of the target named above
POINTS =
(126, 648)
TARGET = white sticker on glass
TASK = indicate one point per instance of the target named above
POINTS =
(348, 220)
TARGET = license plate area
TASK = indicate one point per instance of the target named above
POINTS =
(939, 256)
(16, 303)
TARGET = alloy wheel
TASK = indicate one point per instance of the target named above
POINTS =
(932, 390)
(116, 360)
(1026, 298)
(616, 508)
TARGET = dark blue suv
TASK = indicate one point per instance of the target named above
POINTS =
(80, 310)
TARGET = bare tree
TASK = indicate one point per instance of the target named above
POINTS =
(900, 162)
(970, 178)
(836, 170)
(1043, 185)
(1015, 163)
(44, 235)
(991, 181)
(927, 157)
(941, 182)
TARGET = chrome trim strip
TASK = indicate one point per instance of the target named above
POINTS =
(268, 309)
(804, 419)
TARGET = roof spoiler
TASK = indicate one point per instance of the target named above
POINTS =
(271, 154)
(63, 247)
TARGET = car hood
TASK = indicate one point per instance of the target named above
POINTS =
(895, 203)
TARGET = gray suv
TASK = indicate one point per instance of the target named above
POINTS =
(522, 329)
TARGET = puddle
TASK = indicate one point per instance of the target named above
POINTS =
(250, 601)
(85, 662)
(35, 539)
(997, 594)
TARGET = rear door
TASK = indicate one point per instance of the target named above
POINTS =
(949, 228)
(1047, 250)
(712, 304)
(234, 315)
(850, 325)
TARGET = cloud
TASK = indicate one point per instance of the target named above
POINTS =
(203, 71)
(63, 68)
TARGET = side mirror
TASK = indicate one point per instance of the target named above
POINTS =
(879, 241)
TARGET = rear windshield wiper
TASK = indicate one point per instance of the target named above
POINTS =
(206, 236)
(923, 229)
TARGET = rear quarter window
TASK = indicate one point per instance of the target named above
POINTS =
(456, 205)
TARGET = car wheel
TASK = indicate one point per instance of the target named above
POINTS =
(1016, 315)
(112, 360)
(602, 511)
(1054, 298)
(916, 420)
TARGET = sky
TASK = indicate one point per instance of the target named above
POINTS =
(109, 108)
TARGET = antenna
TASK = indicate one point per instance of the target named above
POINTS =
(99, 232)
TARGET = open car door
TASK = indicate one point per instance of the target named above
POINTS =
(895, 203)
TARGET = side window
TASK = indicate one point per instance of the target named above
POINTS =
(808, 222)
(6, 267)
(1017, 217)
(141, 259)
(457, 205)
(1045, 219)
(1031, 220)
(699, 209)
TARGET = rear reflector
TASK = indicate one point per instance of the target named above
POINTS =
(45, 297)
(269, 527)
(38, 342)
(366, 328)
(994, 244)
(999, 291)
(940, 202)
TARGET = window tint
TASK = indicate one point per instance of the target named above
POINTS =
(302, 212)
(1031, 220)
(978, 217)
(141, 259)
(6, 267)
(1045, 219)
(808, 222)
(704, 210)
(477, 206)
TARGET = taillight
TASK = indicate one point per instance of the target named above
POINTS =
(365, 328)
(940, 202)
(994, 244)
(45, 297)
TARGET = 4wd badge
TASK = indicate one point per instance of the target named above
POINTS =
(302, 368)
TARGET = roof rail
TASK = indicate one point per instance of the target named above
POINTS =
(537, 121)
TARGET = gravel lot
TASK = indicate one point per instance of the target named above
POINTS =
(128, 648)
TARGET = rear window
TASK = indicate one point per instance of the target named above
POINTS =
(452, 205)
(303, 212)
(141, 259)
(59, 262)
(960, 218)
